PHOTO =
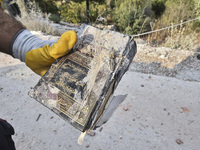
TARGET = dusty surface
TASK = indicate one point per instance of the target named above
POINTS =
(161, 110)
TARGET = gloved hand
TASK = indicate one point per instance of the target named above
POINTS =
(39, 54)
(40, 59)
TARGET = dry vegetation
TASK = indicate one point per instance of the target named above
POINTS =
(176, 38)
(34, 19)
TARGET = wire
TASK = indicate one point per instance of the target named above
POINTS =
(137, 35)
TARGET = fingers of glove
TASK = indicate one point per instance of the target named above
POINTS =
(39, 60)
(64, 44)
(41, 71)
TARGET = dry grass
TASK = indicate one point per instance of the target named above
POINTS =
(176, 37)
(182, 39)
(34, 19)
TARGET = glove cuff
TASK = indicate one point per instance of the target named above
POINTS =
(13, 40)
(25, 41)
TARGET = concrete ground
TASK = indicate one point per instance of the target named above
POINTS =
(159, 113)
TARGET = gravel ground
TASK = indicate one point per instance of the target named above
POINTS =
(181, 64)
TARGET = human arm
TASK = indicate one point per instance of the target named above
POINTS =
(38, 54)
(9, 27)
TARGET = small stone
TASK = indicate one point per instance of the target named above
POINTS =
(162, 56)
(179, 141)
(125, 108)
(87, 146)
(100, 129)
(185, 109)
(55, 131)
(91, 133)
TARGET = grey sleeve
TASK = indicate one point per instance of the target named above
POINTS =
(26, 41)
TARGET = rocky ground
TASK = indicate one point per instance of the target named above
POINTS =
(161, 110)
(181, 64)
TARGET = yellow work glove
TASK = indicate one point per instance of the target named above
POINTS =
(39, 60)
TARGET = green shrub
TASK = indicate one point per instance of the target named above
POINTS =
(48, 6)
(131, 16)
(54, 18)
(73, 12)
(158, 7)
